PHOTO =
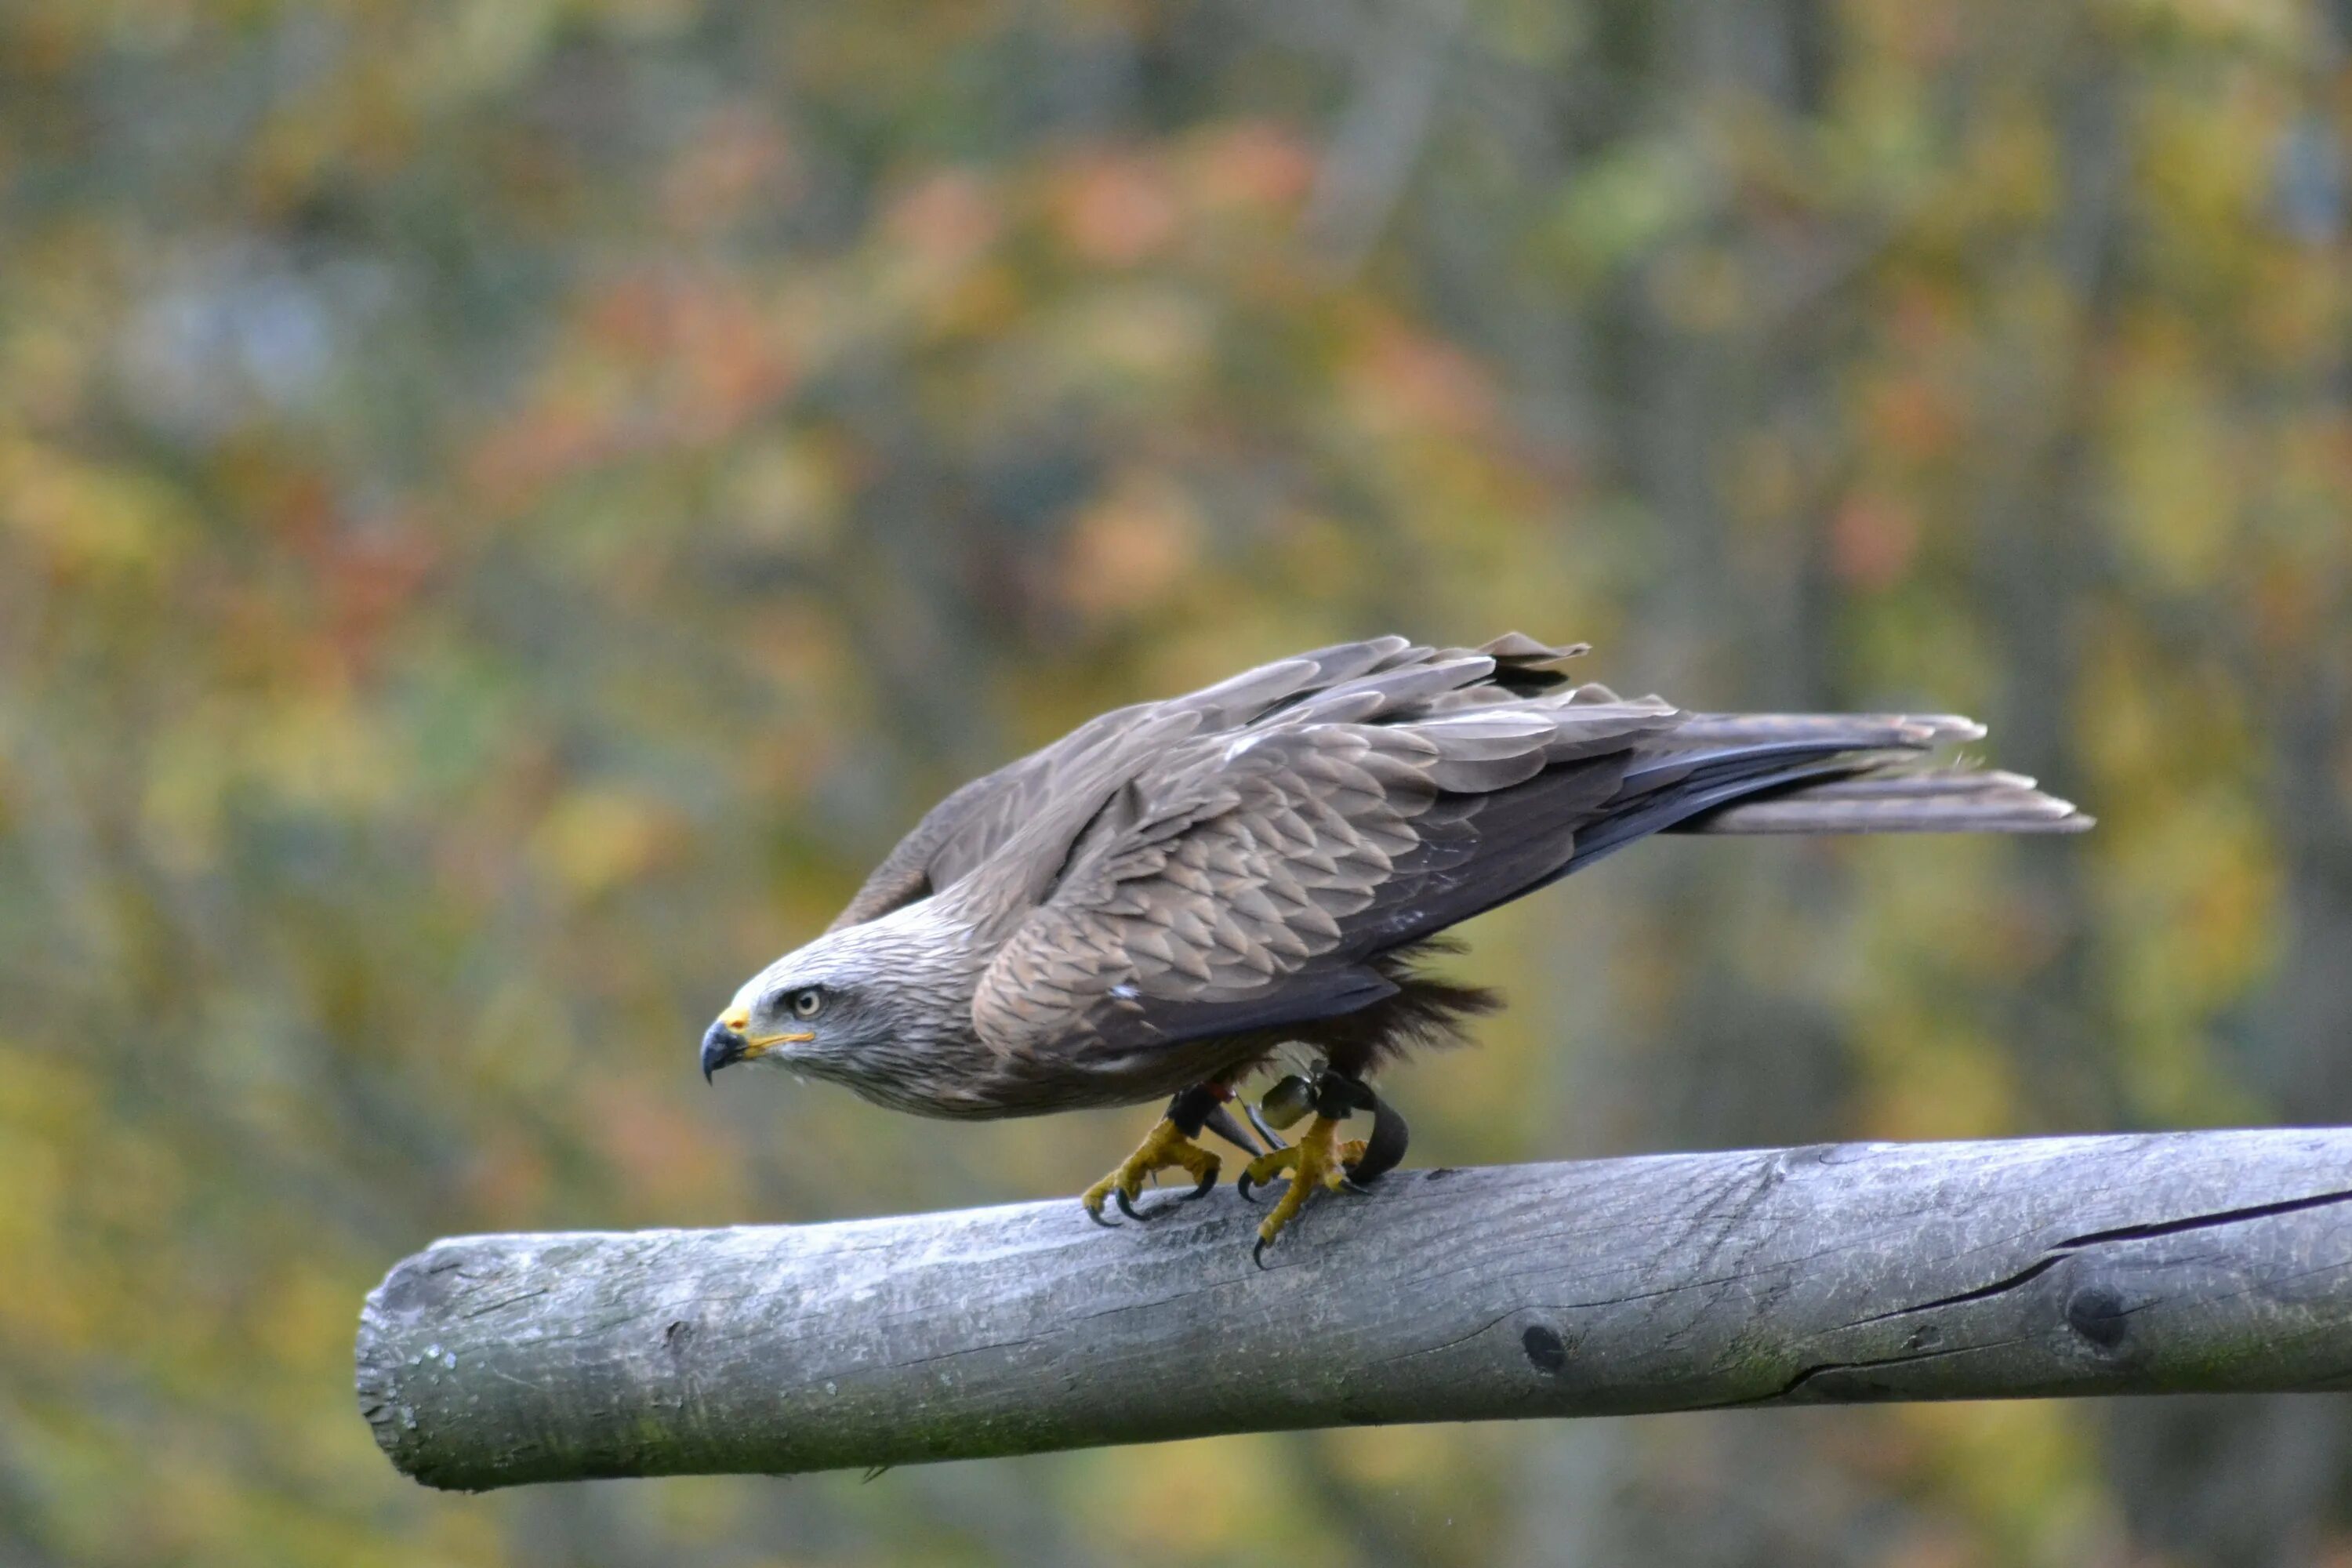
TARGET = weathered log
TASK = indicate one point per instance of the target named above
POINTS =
(2150, 1264)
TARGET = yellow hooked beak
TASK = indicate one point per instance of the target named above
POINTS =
(758, 1046)
(726, 1041)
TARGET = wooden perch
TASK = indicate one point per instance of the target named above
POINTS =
(2061, 1266)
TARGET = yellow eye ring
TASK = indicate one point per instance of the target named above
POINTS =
(806, 1004)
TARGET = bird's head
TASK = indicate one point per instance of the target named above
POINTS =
(794, 1013)
(840, 1008)
(771, 1025)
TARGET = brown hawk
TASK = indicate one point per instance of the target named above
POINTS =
(1159, 902)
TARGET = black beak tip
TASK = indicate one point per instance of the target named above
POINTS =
(721, 1046)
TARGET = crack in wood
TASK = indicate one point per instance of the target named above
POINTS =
(2062, 1250)
(1821, 1369)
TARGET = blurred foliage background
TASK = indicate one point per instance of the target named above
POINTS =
(507, 507)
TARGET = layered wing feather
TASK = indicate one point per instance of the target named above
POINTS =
(1247, 878)
(1251, 880)
(1239, 858)
(1033, 808)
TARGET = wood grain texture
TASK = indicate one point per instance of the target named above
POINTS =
(2067, 1266)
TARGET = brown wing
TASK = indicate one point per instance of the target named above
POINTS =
(1031, 810)
(1244, 879)
(1218, 881)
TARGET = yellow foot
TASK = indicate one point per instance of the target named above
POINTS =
(1164, 1148)
(1318, 1161)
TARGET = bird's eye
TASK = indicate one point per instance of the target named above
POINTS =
(806, 1004)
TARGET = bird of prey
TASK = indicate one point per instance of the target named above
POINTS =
(1164, 899)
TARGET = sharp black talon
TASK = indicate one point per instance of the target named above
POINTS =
(1096, 1216)
(1257, 1253)
(1243, 1185)
(1349, 1184)
(1161, 1210)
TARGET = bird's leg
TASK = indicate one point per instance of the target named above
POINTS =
(1169, 1145)
(1320, 1162)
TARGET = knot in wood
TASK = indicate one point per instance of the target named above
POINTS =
(2096, 1311)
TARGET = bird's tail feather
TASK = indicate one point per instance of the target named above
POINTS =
(1934, 800)
(1846, 730)
(1817, 772)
